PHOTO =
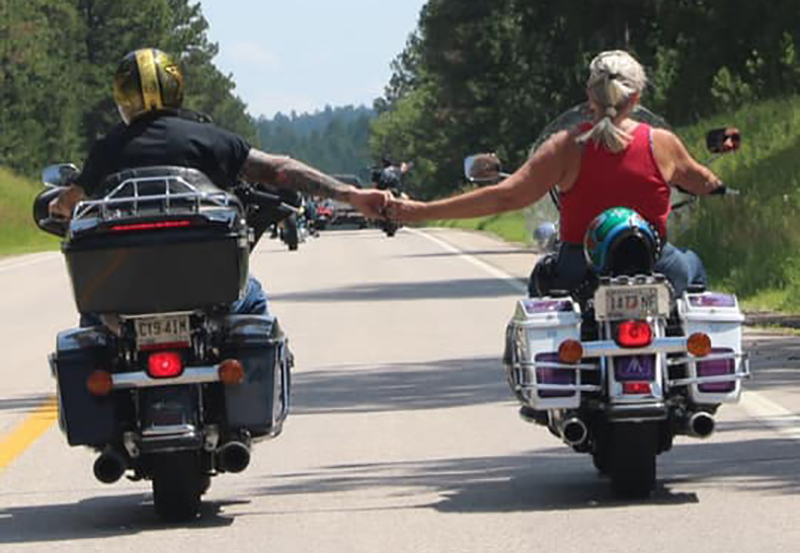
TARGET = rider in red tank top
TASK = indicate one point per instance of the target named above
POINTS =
(630, 179)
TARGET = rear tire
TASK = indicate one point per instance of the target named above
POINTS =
(178, 484)
(291, 234)
(632, 459)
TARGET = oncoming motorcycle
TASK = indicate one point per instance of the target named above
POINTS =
(619, 367)
(162, 379)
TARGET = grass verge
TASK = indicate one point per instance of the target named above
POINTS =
(18, 233)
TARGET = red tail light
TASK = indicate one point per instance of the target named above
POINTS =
(634, 334)
(151, 226)
(167, 364)
(636, 388)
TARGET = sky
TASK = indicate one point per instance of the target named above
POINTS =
(302, 55)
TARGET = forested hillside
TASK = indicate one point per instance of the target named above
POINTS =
(488, 75)
(57, 60)
(335, 140)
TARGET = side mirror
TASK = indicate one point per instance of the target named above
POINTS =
(482, 168)
(62, 174)
(722, 141)
(545, 236)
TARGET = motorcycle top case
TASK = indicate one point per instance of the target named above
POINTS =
(719, 316)
(156, 260)
(84, 418)
(533, 336)
(261, 402)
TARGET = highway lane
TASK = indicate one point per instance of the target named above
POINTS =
(403, 435)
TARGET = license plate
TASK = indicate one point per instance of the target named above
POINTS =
(617, 303)
(167, 329)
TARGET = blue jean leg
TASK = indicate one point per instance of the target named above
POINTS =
(682, 268)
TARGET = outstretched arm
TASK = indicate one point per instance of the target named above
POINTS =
(285, 172)
(526, 186)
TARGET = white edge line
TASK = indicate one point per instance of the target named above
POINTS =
(771, 414)
(27, 261)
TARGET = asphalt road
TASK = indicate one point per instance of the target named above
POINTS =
(403, 435)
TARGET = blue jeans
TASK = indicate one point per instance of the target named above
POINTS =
(254, 302)
(682, 268)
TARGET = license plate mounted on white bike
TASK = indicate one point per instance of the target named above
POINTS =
(635, 301)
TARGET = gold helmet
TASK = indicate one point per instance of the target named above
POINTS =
(147, 80)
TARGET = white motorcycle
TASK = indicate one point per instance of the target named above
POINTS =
(619, 368)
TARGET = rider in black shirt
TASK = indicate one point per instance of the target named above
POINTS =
(148, 91)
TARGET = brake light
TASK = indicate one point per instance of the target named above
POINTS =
(167, 364)
(151, 226)
(636, 388)
(634, 334)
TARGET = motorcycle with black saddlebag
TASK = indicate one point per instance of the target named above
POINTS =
(620, 366)
(162, 379)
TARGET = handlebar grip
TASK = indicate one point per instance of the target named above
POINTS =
(720, 191)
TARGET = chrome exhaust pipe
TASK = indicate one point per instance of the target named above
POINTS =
(233, 457)
(701, 425)
(110, 466)
(573, 431)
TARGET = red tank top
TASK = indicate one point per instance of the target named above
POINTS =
(630, 179)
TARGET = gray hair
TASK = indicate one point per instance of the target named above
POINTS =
(614, 78)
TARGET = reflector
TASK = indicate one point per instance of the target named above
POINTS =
(699, 344)
(166, 364)
(570, 351)
(231, 371)
(100, 383)
(151, 226)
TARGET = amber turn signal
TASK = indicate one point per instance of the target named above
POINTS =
(570, 351)
(231, 372)
(100, 383)
(699, 344)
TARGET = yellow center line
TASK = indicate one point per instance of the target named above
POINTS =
(28, 431)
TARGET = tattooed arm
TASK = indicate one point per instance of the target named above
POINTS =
(285, 172)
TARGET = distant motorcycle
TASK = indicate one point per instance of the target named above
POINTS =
(619, 367)
(390, 178)
(165, 383)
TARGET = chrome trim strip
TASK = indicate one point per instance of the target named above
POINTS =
(191, 375)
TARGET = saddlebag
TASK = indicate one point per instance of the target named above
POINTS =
(531, 357)
(261, 402)
(717, 315)
(84, 418)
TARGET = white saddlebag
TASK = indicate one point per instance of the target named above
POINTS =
(534, 372)
(716, 378)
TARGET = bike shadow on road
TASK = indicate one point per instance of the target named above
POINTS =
(399, 386)
(399, 291)
(97, 518)
(556, 479)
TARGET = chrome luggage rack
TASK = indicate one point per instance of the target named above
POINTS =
(126, 200)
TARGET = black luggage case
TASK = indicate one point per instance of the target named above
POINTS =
(84, 418)
(261, 402)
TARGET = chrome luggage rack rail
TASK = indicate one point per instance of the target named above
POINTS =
(126, 200)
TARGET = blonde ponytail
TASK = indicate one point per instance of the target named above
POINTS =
(615, 77)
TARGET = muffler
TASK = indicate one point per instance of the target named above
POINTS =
(110, 466)
(233, 457)
(573, 431)
(700, 425)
